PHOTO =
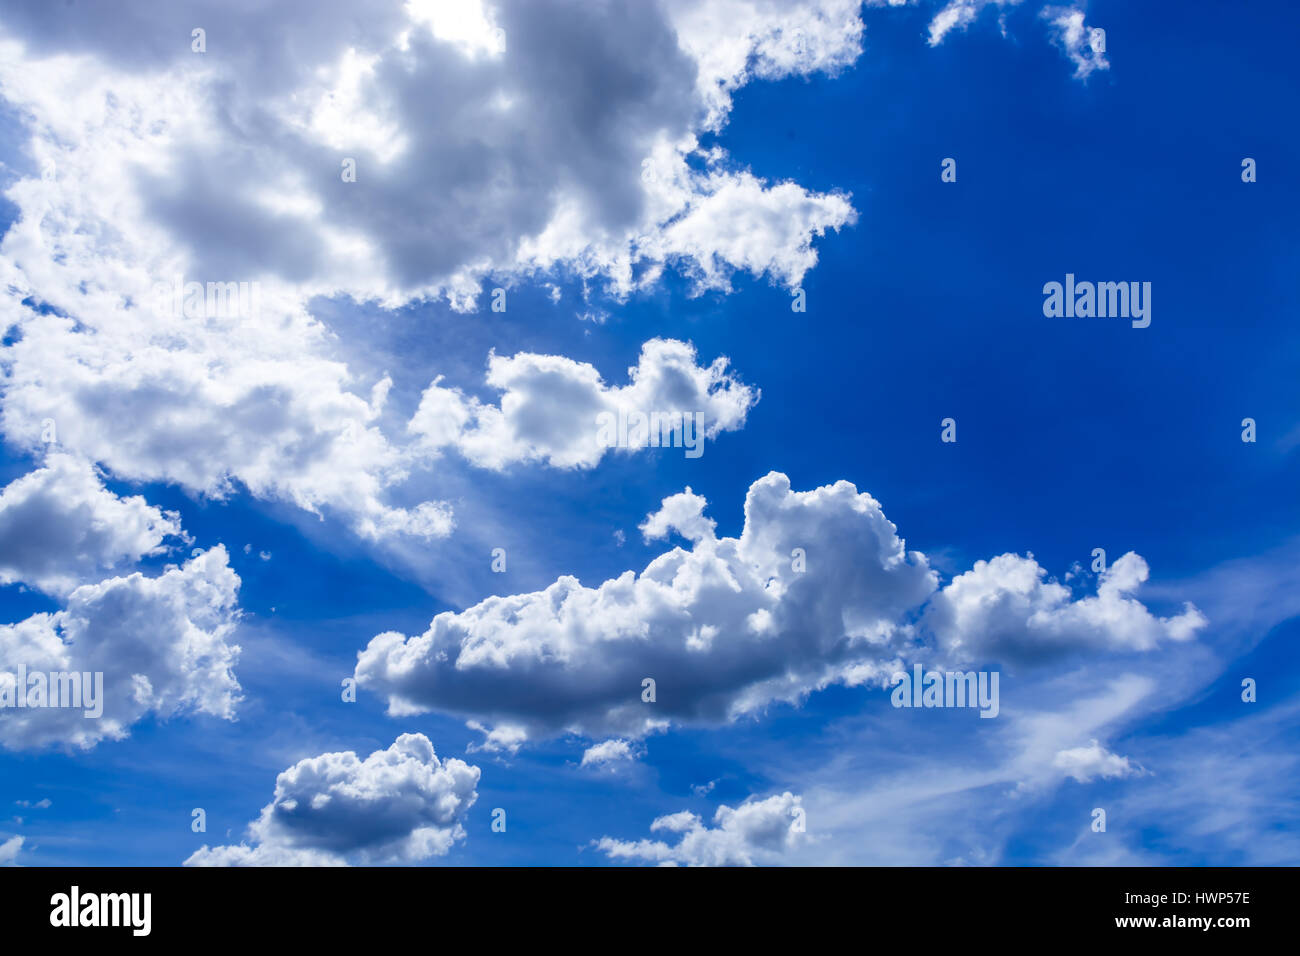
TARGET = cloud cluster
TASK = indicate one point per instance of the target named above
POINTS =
(818, 589)
(209, 404)
(532, 155)
(563, 143)
(260, 396)
(1086, 763)
(758, 831)
(723, 628)
(399, 805)
(562, 139)
(161, 643)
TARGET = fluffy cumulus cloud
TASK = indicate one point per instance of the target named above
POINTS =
(60, 527)
(758, 831)
(1087, 763)
(723, 628)
(531, 155)
(682, 513)
(818, 589)
(399, 805)
(556, 410)
(1007, 609)
(162, 645)
(562, 139)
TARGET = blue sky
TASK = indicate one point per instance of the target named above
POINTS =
(925, 303)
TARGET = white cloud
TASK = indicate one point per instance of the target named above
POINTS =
(958, 15)
(400, 805)
(161, 644)
(1067, 24)
(60, 527)
(730, 625)
(9, 850)
(1003, 608)
(734, 41)
(1086, 763)
(1076, 40)
(503, 738)
(608, 753)
(758, 831)
(738, 222)
(683, 513)
(552, 407)
(724, 628)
